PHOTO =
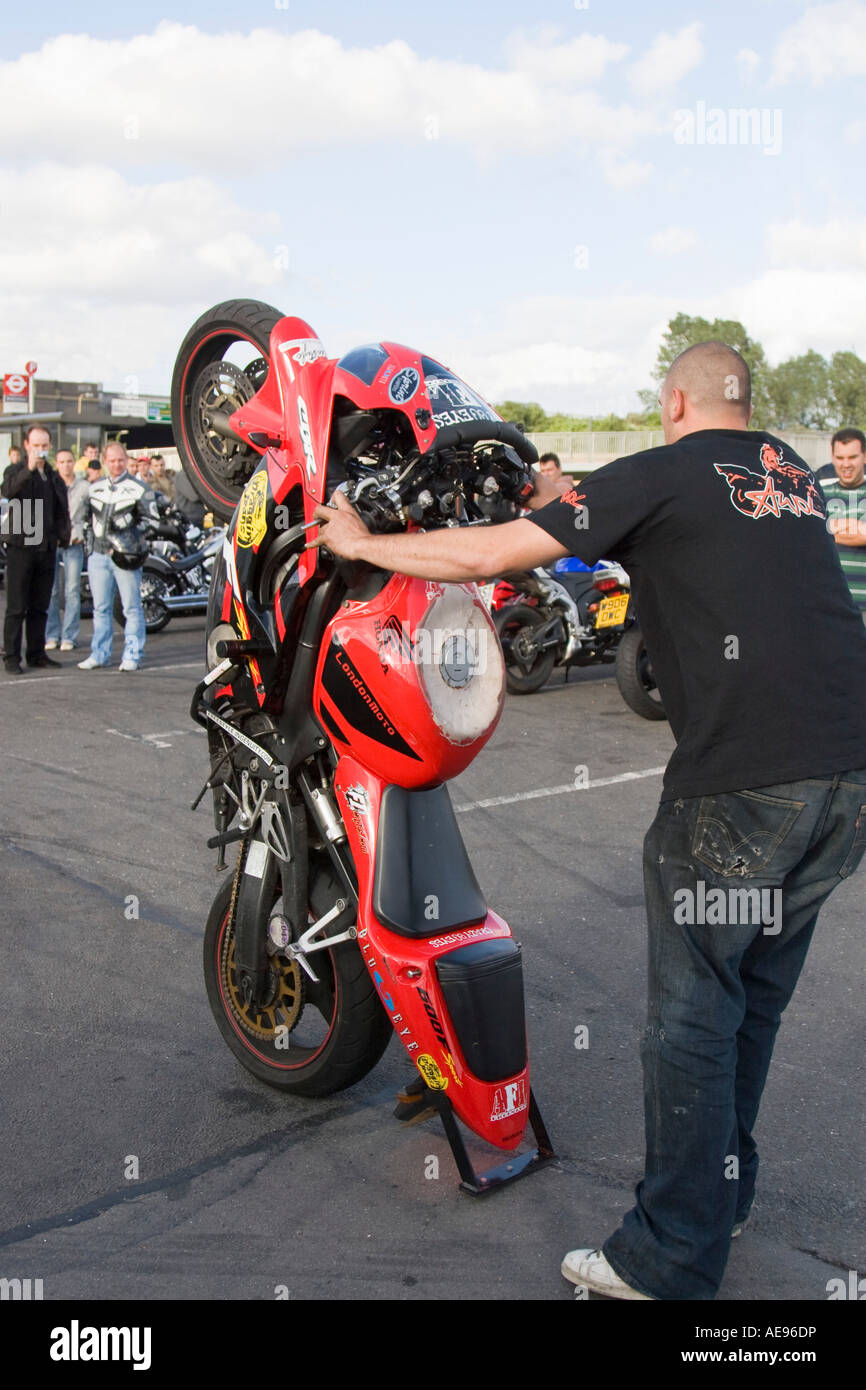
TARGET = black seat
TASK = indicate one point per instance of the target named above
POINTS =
(423, 882)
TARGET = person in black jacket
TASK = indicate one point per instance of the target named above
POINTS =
(37, 521)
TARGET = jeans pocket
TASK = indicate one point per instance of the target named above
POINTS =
(858, 845)
(739, 833)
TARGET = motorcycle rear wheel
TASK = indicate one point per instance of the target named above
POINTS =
(212, 379)
(274, 1042)
(514, 624)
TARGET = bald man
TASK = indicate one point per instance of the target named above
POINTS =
(751, 629)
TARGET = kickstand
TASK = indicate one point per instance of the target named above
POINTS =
(514, 1167)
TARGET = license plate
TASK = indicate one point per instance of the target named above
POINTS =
(612, 611)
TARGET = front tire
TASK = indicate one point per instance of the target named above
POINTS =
(634, 676)
(156, 615)
(222, 362)
(306, 1056)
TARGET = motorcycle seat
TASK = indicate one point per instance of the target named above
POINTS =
(422, 865)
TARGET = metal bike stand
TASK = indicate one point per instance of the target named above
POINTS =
(514, 1167)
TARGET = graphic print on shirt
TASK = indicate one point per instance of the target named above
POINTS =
(782, 487)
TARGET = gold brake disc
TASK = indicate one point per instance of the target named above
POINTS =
(286, 1003)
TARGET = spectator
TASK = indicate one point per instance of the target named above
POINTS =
(71, 557)
(89, 459)
(36, 523)
(133, 463)
(161, 479)
(94, 469)
(118, 506)
(187, 501)
(14, 455)
(846, 509)
(551, 467)
(145, 472)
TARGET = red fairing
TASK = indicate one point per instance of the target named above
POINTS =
(496, 1110)
(380, 689)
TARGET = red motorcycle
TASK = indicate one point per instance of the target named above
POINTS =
(339, 700)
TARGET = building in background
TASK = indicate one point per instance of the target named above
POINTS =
(76, 413)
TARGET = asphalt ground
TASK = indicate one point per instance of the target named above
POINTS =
(111, 1054)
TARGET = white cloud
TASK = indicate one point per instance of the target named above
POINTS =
(549, 60)
(673, 241)
(832, 245)
(102, 235)
(110, 277)
(667, 60)
(827, 41)
(748, 62)
(185, 96)
(792, 310)
(625, 174)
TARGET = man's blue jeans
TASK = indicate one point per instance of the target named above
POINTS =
(72, 559)
(717, 989)
(104, 575)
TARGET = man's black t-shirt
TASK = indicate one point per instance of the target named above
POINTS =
(757, 647)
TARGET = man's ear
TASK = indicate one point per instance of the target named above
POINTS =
(749, 416)
(677, 406)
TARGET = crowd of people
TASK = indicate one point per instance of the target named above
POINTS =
(59, 518)
(91, 510)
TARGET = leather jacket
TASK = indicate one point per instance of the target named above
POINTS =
(118, 509)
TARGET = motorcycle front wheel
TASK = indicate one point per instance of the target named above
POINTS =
(223, 361)
(156, 615)
(308, 1038)
(634, 676)
(526, 668)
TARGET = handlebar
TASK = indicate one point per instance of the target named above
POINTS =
(474, 431)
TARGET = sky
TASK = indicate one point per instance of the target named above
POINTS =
(525, 192)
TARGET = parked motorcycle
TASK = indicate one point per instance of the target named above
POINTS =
(338, 701)
(635, 677)
(574, 617)
(175, 583)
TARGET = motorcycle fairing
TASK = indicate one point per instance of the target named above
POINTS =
(404, 972)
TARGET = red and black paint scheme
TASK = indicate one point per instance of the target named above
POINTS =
(367, 691)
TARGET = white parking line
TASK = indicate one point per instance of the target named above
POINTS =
(155, 740)
(28, 680)
(559, 791)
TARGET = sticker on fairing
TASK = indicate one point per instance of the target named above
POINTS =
(306, 437)
(404, 385)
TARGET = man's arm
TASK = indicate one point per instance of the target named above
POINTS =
(452, 555)
(14, 478)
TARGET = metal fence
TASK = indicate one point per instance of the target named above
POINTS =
(584, 450)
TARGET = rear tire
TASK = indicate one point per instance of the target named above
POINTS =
(218, 468)
(356, 1032)
(514, 624)
(634, 676)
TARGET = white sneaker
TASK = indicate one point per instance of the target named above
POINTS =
(51, 646)
(89, 664)
(65, 646)
(128, 666)
(591, 1270)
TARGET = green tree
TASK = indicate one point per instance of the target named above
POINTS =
(684, 331)
(800, 393)
(529, 414)
(847, 390)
